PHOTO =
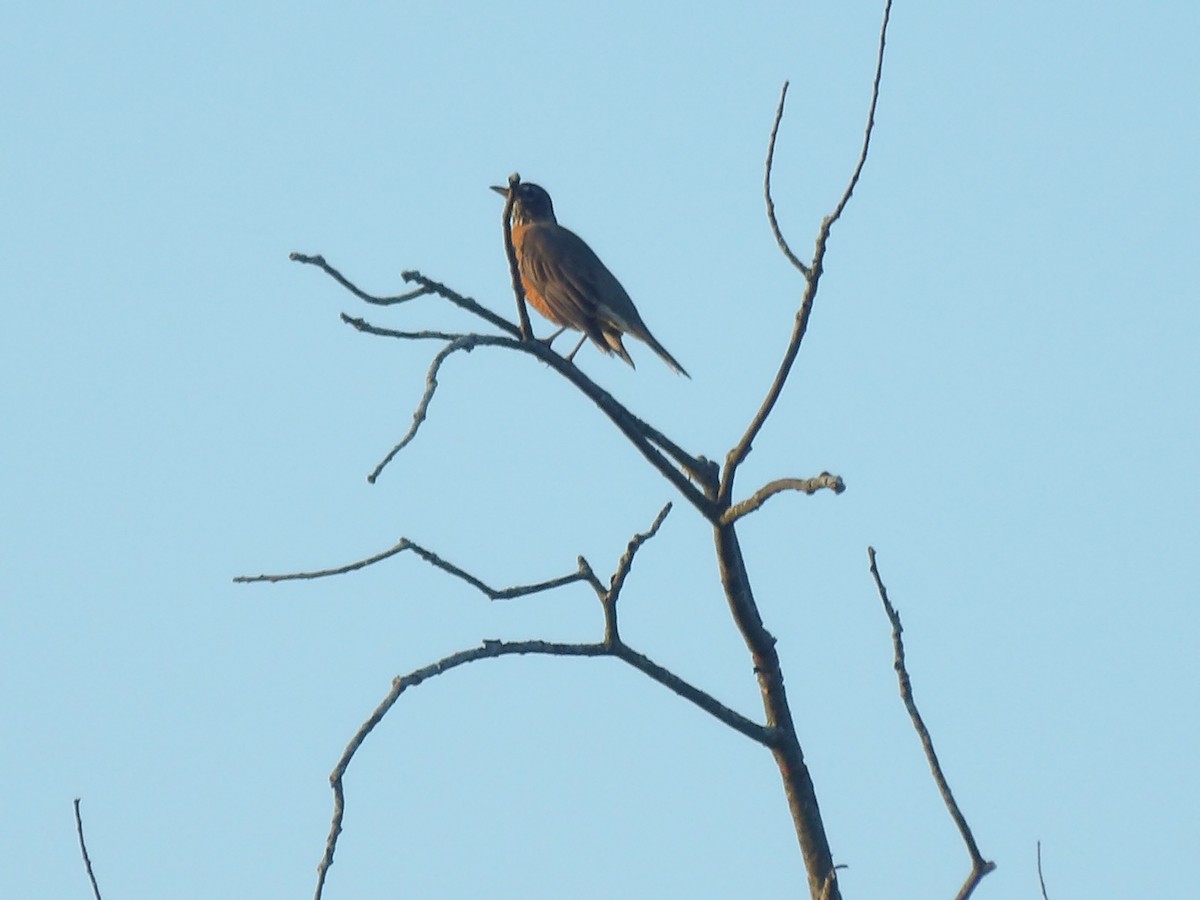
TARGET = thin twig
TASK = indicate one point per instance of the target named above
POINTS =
(319, 262)
(775, 230)
(87, 862)
(466, 343)
(367, 328)
(608, 597)
(426, 286)
(584, 573)
(402, 545)
(979, 866)
(463, 302)
(1041, 881)
(809, 486)
(866, 145)
(635, 543)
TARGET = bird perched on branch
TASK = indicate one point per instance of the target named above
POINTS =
(566, 282)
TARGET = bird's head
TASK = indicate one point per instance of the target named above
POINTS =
(531, 203)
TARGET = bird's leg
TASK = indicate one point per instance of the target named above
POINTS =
(571, 356)
(550, 340)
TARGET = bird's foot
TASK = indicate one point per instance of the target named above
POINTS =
(570, 357)
(547, 341)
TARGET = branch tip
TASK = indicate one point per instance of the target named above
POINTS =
(87, 861)
(784, 247)
(810, 486)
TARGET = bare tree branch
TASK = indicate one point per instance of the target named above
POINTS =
(462, 302)
(979, 866)
(645, 665)
(735, 580)
(463, 343)
(626, 561)
(402, 545)
(495, 650)
(1041, 881)
(695, 467)
(650, 442)
(87, 862)
(785, 745)
(866, 145)
(319, 262)
(706, 702)
(610, 646)
(609, 597)
(584, 573)
(426, 287)
(805, 485)
(367, 328)
(812, 275)
(775, 230)
(488, 650)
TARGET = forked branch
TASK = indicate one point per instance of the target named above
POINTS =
(735, 579)
(463, 343)
(812, 272)
(677, 465)
(426, 287)
(611, 646)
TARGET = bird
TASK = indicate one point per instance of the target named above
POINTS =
(566, 282)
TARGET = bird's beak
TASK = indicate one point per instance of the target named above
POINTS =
(502, 191)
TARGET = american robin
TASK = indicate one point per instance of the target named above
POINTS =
(565, 281)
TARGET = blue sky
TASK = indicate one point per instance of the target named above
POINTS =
(1003, 365)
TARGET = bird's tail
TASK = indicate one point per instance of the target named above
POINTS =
(615, 345)
(662, 351)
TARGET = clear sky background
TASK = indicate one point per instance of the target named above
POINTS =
(1003, 365)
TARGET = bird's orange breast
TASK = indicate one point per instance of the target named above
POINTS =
(533, 273)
